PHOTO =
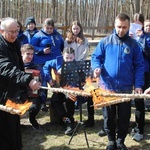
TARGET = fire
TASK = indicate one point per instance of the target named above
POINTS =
(99, 99)
(22, 107)
(91, 86)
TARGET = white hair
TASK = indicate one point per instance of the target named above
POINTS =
(4, 22)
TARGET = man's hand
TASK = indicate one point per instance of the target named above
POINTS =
(47, 50)
(139, 32)
(138, 91)
(34, 85)
(147, 91)
(97, 72)
(52, 83)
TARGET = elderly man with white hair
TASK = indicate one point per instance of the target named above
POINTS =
(13, 84)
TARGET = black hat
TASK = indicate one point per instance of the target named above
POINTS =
(30, 20)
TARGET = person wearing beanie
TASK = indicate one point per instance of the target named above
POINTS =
(31, 29)
(30, 20)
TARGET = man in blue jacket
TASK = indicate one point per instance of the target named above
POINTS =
(118, 61)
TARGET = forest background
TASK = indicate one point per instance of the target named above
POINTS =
(90, 13)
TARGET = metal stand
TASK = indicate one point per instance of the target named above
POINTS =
(80, 123)
(74, 74)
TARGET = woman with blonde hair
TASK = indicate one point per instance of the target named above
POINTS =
(76, 40)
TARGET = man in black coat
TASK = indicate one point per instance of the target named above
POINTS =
(13, 84)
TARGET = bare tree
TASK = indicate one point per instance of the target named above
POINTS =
(65, 13)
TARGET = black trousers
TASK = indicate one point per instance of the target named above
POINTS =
(140, 106)
(10, 132)
(90, 108)
(35, 107)
(67, 110)
(117, 119)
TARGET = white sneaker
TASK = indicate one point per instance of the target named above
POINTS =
(138, 137)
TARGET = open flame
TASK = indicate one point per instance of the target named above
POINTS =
(98, 98)
(91, 86)
(21, 107)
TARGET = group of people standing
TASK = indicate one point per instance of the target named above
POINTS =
(118, 60)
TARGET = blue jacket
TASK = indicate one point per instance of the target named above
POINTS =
(144, 42)
(40, 41)
(121, 63)
(52, 64)
(22, 38)
(30, 34)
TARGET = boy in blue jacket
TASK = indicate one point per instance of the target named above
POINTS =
(57, 100)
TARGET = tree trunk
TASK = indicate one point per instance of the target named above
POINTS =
(65, 13)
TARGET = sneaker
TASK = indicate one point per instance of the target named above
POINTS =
(111, 145)
(102, 133)
(69, 126)
(138, 137)
(44, 108)
(147, 108)
(69, 129)
(35, 124)
(121, 146)
(89, 123)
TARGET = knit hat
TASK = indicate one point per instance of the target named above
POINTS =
(30, 20)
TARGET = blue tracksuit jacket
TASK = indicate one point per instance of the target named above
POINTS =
(30, 34)
(121, 62)
(52, 64)
(40, 41)
(144, 42)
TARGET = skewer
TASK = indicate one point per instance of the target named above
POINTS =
(131, 96)
(61, 90)
(10, 110)
(108, 103)
(82, 93)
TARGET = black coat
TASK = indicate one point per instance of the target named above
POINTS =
(13, 79)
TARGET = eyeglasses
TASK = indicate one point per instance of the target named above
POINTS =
(12, 32)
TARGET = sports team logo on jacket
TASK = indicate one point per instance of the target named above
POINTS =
(127, 50)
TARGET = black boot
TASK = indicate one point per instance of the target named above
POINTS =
(111, 145)
(102, 133)
(121, 146)
(90, 122)
(34, 122)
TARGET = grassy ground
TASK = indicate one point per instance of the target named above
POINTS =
(51, 137)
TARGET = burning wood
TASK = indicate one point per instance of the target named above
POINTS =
(100, 96)
(19, 109)
(10, 110)
(103, 104)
